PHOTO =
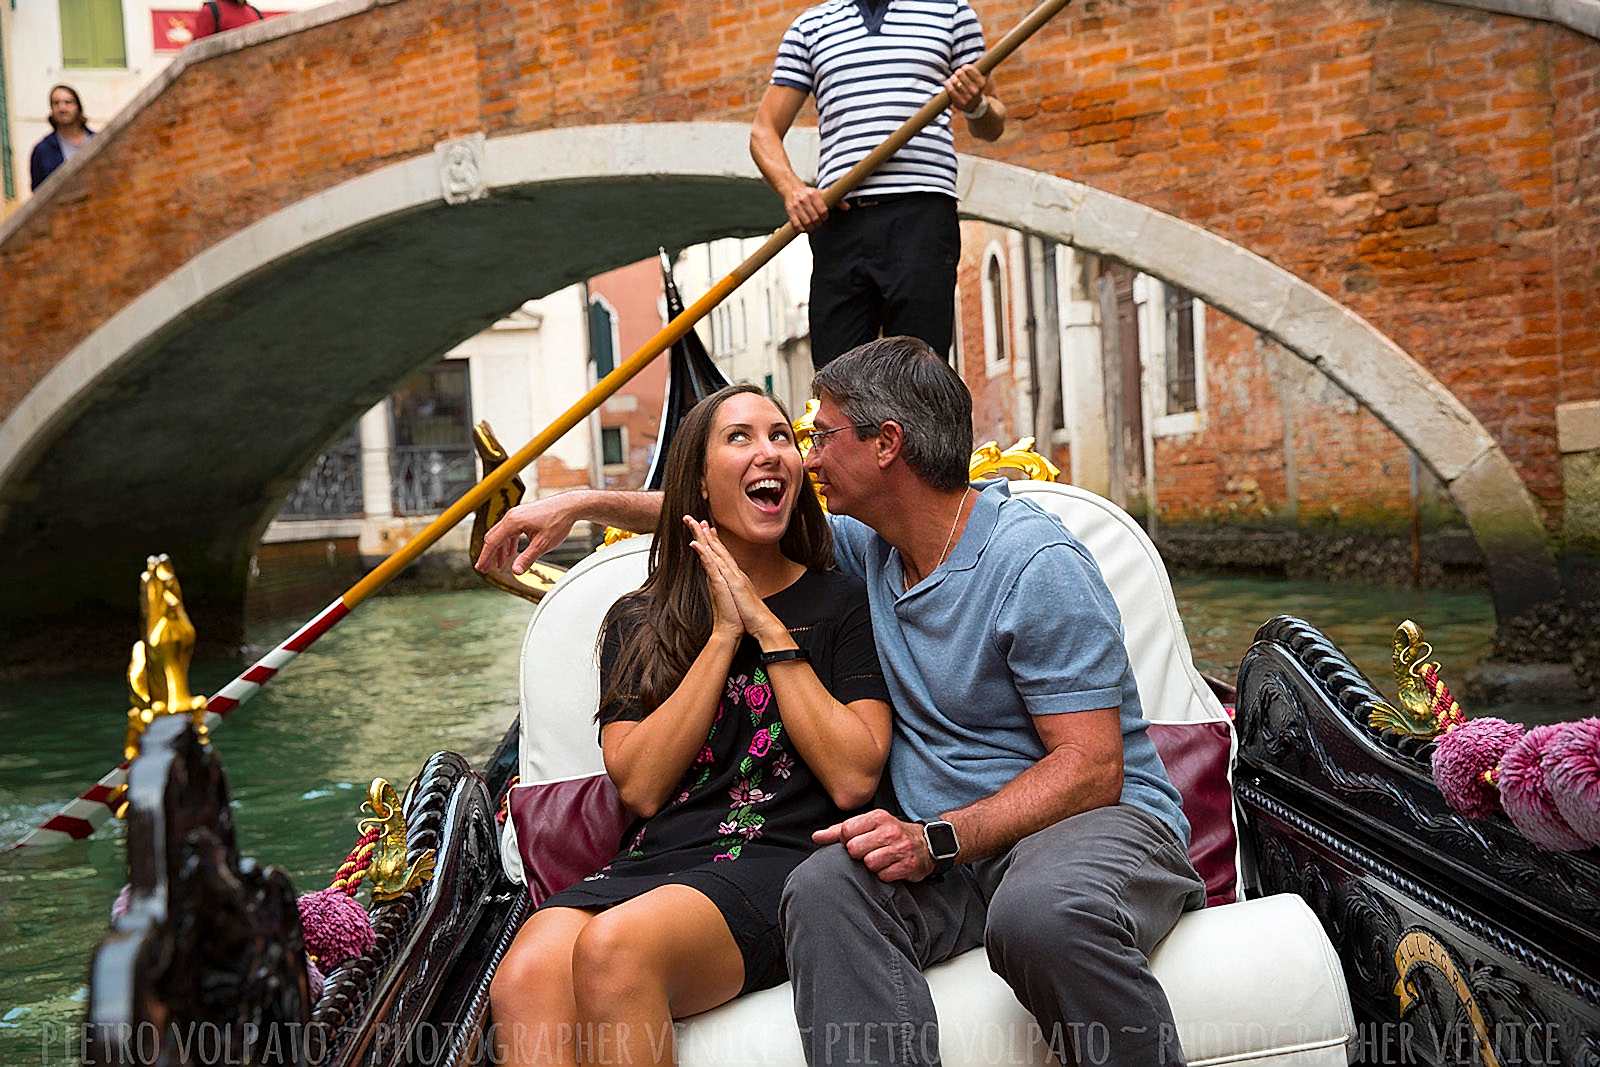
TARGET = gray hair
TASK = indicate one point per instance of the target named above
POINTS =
(901, 379)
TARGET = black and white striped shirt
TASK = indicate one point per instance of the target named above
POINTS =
(871, 72)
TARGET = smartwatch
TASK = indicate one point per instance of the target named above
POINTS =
(942, 843)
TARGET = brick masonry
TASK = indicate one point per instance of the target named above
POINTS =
(1431, 167)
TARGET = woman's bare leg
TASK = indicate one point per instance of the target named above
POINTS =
(664, 955)
(535, 1017)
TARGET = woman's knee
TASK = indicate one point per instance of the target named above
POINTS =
(608, 963)
(537, 969)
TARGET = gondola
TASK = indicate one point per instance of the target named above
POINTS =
(1352, 915)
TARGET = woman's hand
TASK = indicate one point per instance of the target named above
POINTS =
(726, 617)
(759, 621)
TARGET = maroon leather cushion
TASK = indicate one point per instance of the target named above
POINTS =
(1196, 758)
(566, 830)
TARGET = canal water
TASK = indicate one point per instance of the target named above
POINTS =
(404, 677)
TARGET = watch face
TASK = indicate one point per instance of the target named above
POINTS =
(941, 840)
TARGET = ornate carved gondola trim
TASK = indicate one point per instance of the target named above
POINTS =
(1252, 795)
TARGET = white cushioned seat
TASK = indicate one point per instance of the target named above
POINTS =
(1251, 982)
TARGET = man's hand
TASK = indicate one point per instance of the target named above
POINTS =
(966, 87)
(806, 208)
(891, 848)
(546, 522)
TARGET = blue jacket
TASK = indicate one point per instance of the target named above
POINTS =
(47, 156)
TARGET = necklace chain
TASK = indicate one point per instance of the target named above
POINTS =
(951, 536)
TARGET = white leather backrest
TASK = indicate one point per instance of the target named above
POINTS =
(561, 679)
(560, 675)
(1170, 688)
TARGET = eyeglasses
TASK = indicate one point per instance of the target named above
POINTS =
(819, 438)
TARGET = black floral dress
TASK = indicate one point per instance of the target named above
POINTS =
(745, 809)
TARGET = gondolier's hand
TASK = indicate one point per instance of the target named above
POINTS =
(725, 616)
(890, 848)
(966, 87)
(806, 208)
(545, 522)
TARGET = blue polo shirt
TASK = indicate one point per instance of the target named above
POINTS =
(1016, 623)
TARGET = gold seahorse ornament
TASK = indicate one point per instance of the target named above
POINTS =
(1426, 708)
(391, 875)
(158, 670)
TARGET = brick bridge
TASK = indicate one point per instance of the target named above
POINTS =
(1403, 192)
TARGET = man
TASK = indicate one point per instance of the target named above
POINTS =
(219, 15)
(888, 263)
(1041, 823)
(69, 131)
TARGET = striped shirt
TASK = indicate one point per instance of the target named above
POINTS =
(869, 74)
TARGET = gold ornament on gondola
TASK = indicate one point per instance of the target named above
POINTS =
(533, 583)
(391, 875)
(988, 460)
(1426, 708)
(158, 670)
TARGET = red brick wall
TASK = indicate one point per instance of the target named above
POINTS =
(993, 399)
(1430, 166)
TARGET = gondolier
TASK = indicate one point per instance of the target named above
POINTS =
(886, 264)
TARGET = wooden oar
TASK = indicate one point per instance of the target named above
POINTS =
(80, 818)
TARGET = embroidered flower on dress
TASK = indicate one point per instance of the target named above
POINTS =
(706, 755)
(729, 828)
(758, 697)
(745, 793)
(783, 766)
(761, 743)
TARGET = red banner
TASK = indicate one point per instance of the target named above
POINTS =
(171, 30)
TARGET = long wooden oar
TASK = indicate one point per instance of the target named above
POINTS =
(82, 816)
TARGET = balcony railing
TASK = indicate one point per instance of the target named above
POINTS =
(330, 489)
(425, 479)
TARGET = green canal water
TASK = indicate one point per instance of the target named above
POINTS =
(399, 680)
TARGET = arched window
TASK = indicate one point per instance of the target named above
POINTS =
(995, 317)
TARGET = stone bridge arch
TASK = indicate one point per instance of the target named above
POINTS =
(1414, 170)
(638, 185)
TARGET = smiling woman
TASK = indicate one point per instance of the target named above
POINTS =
(742, 710)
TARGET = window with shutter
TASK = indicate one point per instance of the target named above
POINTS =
(91, 33)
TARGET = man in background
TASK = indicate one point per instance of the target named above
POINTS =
(69, 132)
(219, 15)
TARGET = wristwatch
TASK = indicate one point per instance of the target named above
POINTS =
(942, 843)
(784, 655)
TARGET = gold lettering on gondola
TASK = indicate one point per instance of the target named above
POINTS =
(158, 669)
(1419, 949)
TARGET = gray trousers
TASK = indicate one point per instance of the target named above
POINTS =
(1068, 916)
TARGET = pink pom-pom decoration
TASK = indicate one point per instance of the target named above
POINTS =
(1572, 772)
(1525, 796)
(336, 926)
(1461, 758)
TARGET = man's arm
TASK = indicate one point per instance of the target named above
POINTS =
(547, 523)
(1081, 770)
(802, 202)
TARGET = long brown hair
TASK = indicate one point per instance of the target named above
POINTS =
(668, 620)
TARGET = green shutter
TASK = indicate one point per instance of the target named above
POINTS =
(8, 180)
(91, 34)
(600, 348)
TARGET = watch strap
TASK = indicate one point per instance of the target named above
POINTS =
(784, 655)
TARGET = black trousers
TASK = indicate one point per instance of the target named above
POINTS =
(886, 266)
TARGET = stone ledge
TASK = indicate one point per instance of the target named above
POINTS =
(1578, 426)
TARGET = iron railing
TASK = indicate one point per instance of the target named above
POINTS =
(330, 488)
(426, 479)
